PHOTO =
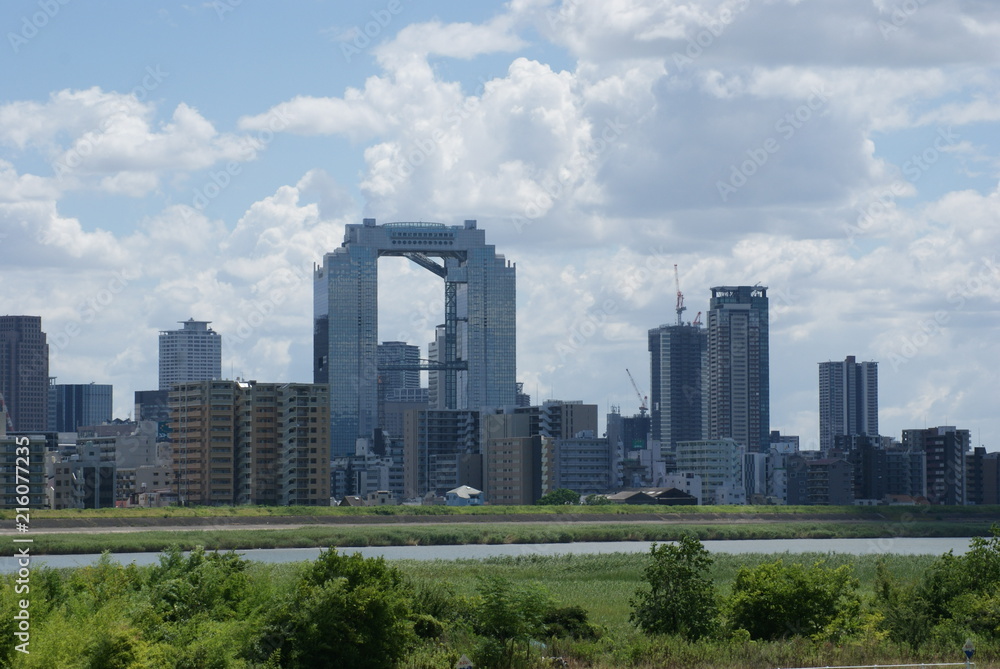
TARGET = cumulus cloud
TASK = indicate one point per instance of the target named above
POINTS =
(746, 142)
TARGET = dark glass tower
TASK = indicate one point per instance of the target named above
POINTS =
(738, 372)
(475, 363)
(24, 371)
(677, 355)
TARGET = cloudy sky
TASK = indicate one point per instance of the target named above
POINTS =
(160, 161)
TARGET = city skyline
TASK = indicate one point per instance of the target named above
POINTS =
(154, 169)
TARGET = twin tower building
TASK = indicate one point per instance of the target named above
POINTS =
(707, 382)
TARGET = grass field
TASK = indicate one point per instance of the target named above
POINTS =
(893, 513)
(487, 533)
(603, 584)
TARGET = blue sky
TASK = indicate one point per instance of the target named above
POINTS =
(206, 154)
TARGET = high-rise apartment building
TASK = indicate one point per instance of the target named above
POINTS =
(474, 361)
(193, 353)
(677, 357)
(73, 405)
(238, 442)
(24, 371)
(738, 376)
(848, 400)
(945, 448)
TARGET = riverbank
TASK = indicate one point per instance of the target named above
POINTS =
(439, 534)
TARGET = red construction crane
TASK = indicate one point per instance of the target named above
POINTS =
(680, 295)
(697, 320)
(642, 400)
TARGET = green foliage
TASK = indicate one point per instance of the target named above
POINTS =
(569, 621)
(777, 600)
(957, 596)
(559, 496)
(510, 617)
(682, 598)
(598, 500)
(346, 611)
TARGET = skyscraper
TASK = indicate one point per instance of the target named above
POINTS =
(677, 357)
(73, 405)
(24, 371)
(475, 361)
(848, 400)
(398, 364)
(193, 353)
(738, 372)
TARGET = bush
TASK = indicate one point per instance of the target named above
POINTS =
(347, 611)
(559, 496)
(775, 601)
(681, 599)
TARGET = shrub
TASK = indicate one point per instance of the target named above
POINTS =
(774, 600)
(681, 599)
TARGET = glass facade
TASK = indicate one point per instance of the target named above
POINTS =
(738, 366)
(475, 356)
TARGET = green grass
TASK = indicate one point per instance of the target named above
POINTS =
(895, 513)
(486, 533)
(604, 584)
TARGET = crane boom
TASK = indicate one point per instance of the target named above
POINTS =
(642, 400)
(680, 296)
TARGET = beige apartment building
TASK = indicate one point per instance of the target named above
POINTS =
(246, 442)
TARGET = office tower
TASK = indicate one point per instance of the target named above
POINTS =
(73, 405)
(737, 373)
(152, 405)
(399, 368)
(474, 361)
(441, 451)
(24, 371)
(237, 442)
(945, 448)
(193, 353)
(677, 357)
(848, 400)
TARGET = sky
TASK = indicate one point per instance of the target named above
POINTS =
(161, 161)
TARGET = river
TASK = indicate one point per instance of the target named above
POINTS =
(897, 546)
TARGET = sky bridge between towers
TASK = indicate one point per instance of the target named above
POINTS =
(474, 351)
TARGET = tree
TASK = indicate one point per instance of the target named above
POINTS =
(597, 500)
(681, 599)
(347, 611)
(559, 496)
(509, 616)
(774, 600)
